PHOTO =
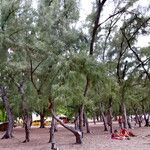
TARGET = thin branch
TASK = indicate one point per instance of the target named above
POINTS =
(111, 16)
(31, 75)
(7, 17)
(137, 56)
(38, 65)
(109, 32)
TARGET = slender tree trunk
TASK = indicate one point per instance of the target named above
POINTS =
(104, 121)
(124, 115)
(110, 115)
(139, 121)
(86, 123)
(146, 118)
(52, 131)
(103, 117)
(27, 122)
(94, 118)
(25, 111)
(138, 118)
(8, 133)
(97, 117)
(129, 123)
(42, 120)
(83, 120)
(81, 110)
(76, 122)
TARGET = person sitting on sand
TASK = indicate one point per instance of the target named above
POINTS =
(125, 133)
(116, 135)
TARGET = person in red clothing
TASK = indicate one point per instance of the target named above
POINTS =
(125, 133)
(116, 135)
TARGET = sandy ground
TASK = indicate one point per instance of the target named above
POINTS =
(97, 140)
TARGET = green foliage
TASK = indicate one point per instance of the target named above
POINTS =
(51, 55)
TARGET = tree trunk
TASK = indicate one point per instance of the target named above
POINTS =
(27, 122)
(86, 123)
(139, 121)
(103, 117)
(146, 118)
(109, 119)
(76, 122)
(124, 116)
(97, 117)
(8, 133)
(94, 118)
(138, 118)
(129, 122)
(104, 121)
(55, 127)
(77, 133)
(42, 125)
(25, 112)
(81, 111)
(52, 131)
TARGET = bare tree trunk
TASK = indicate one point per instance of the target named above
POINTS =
(76, 122)
(86, 123)
(109, 119)
(103, 117)
(55, 127)
(42, 125)
(97, 117)
(138, 118)
(77, 133)
(129, 122)
(124, 114)
(8, 133)
(27, 122)
(25, 111)
(81, 110)
(104, 121)
(146, 118)
(94, 118)
(52, 131)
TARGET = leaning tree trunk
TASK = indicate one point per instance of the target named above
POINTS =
(77, 133)
(25, 112)
(8, 133)
(103, 117)
(104, 121)
(86, 123)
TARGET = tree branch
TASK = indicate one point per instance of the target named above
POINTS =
(96, 25)
(137, 56)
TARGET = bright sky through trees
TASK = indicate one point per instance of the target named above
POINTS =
(86, 8)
